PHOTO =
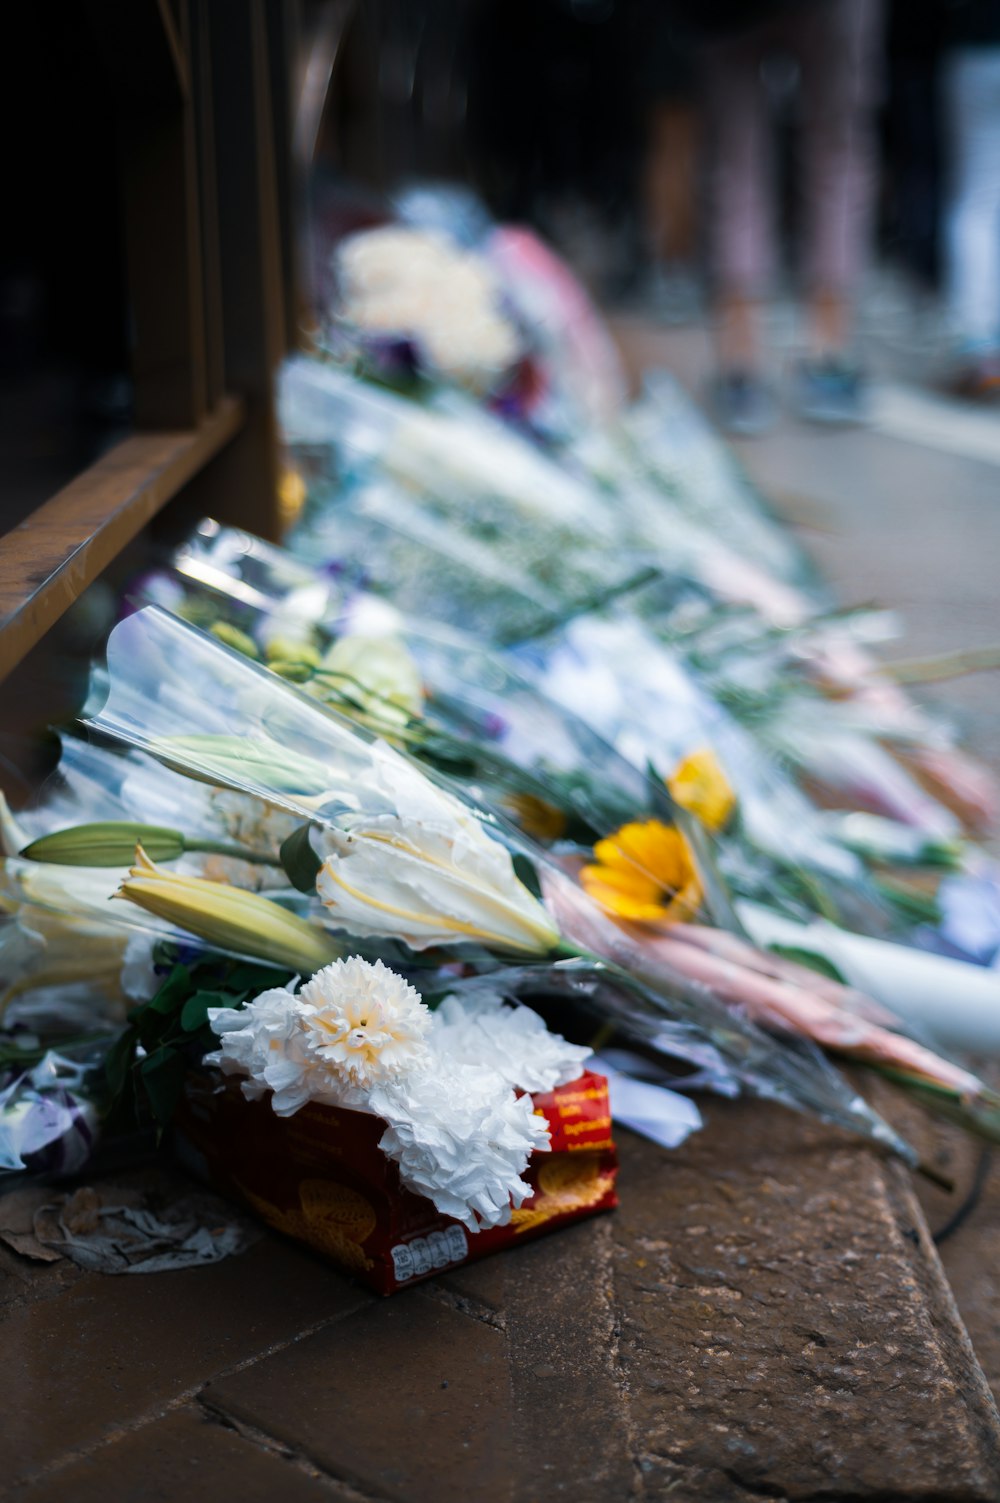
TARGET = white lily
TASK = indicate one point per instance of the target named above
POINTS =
(428, 874)
(379, 672)
(400, 857)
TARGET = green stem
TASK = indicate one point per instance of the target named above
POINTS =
(943, 665)
(595, 602)
(235, 852)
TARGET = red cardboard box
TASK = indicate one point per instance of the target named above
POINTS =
(320, 1177)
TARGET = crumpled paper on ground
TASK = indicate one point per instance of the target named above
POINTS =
(141, 1223)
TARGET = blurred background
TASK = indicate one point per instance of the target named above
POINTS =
(815, 182)
(792, 204)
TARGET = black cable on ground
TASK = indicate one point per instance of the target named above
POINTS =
(969, 1204)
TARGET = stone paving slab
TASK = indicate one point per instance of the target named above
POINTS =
(765, 1316)
(409, 1399)
(185, 1457)
(967, 1222)
(789, 1333)
(105, 1351)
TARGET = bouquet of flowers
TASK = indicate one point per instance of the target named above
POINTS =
(510, 758)
(383, 854)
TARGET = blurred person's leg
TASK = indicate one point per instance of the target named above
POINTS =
(674, 132)
(670, 196)
(741, 229)
(972, 215)
(839, 46)
(663, 75)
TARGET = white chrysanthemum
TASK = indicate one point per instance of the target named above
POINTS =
(462, 1138)
(481, 1029)
(364, 1021)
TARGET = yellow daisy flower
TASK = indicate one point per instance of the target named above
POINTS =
(700, 786)
(645, 873)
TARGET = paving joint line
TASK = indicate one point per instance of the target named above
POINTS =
(148, 1417)
(464, 1304)
(348, 1491)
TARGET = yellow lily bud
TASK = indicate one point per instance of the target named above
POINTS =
(229, 917)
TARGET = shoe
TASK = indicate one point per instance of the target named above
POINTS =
(672, 296)
(742, 403)
(830, 391)
(976, 380)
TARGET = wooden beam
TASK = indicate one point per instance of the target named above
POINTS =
(200, 52)
(284, 46)
(48, 561)
(146, 47)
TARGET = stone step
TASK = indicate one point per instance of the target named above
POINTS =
(766, 1315)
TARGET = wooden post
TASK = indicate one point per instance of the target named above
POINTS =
(241, 485)
(146, 53)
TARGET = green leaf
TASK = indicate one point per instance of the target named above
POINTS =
(447, 758)
(162, 1074)
(194, 1014)
(527, 875)
(109, 842)
(172, 993)
(244, 976)
(818, 963)
(300, 861)
(118, 1062)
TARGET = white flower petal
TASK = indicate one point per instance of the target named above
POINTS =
(480, 1028)
(430, 882)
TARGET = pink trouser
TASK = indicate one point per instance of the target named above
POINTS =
(837, 46)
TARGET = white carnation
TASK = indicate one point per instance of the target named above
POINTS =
(462, 1138)
(358, 1036)
(417, 284)
(481, 1029)
(265, 1041)
(364, 1021)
